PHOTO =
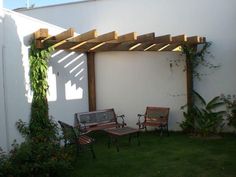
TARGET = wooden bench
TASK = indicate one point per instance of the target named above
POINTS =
(155, 117)
(98, 120)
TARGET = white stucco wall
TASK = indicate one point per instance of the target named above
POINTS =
(130, 81)
(3, 137)
(67, 79)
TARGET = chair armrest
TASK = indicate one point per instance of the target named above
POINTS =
(80, 131)
(122, 117)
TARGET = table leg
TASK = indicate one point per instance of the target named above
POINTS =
(129, 138)
(117, 145)
(109, 141)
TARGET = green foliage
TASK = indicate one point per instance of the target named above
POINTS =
(204, 118)
(231, 111)
(198, 57)
(38, 81)
(37, 159)
(41, 154)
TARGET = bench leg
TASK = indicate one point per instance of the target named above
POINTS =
(109, 141)
(93, 153)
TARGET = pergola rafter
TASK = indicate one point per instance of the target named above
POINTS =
(90, 43)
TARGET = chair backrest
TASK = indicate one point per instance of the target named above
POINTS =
(95, 117)
(69, 133)
(157, 114)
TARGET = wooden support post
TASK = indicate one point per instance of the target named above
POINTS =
(91, 81)
(189, 77)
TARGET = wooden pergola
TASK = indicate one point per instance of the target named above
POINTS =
(90, 43)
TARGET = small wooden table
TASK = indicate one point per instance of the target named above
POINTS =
(118, 132)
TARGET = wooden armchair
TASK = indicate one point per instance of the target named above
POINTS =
(71, 136)
(155, 117)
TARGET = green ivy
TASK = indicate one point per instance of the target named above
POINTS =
(39, 121)
(197, 57)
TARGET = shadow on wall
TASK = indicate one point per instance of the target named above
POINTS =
(69, 67)
(14, 72)
(67, 85)
(67, 79)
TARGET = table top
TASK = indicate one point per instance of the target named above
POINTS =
(121, 131)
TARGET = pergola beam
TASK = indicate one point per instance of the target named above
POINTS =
(60, 37)
(179, 39)
(166, 39)
(145, 37)
(41, 34)
(85, 36)
(125, 38)
(79, 40)
(105, 37)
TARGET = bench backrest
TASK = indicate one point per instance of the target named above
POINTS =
(157, 114)
(95, 117)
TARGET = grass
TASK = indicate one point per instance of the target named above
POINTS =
(175, 156)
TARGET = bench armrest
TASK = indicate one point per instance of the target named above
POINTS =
(83, 127)
(80, 132)
(123, 121)
(139, 117)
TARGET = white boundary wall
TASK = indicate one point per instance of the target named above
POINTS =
(130, 81)
(3, 136)
(68, 90)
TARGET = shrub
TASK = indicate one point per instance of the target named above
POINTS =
(231, 111)
(204, 118)
(37, 157)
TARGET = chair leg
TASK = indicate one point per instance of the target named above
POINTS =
(93, 153)
(167, 129)
(161, 127)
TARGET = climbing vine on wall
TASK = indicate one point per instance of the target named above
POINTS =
(198, 58)
(198, 119)
(38, 81)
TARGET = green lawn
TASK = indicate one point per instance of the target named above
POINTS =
(175, 156)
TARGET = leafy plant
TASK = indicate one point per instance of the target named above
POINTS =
(204, 118)
(231, 111)
(39, 121)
